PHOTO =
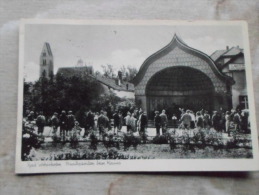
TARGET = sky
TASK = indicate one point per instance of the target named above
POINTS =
(118, 45)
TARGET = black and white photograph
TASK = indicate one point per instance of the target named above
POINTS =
(135, 96)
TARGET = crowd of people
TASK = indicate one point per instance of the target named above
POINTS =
(69, 126)
(136, 120)
(221, 121)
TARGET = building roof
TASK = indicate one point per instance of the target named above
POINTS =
(228, 55)
(112, 83)
(85, 70)
(72, 71)
(48, 48)
(215, 55)
(178, 42)
(233, 51)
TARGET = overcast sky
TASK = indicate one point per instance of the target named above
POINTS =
(117, 45)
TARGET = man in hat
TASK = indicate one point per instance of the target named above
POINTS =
(30, 116)
(142, 126)
(40, 122)
(70, 122)
(127, 121)
(216, 120)
(133, 123)
(116, 119)
(102, 124)
(157, 120)
(75, 133)
(63, 124)
(186, 120)
(89, 122)
(164, 121)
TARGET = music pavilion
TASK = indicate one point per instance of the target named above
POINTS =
(178, 76)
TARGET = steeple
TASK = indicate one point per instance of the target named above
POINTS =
(46, 61)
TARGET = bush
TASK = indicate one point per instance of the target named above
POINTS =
(93, 141)
(130, 140)
(111, 141)
(160, 139)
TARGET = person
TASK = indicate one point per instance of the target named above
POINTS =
(132, 122)
(63, 124)
(244, 121)
(136, 113)
(216, 121)
(70, 122)
(75, 133)
(116, 119)
(108, 119)
(121, 122)
(186, 120)
(102, 124)
(174, 119)
(55, 122)
(142, 126)
(157, 120)
(30, 116)
(40, 122)
(192, 124)
(227, 123)
(127, 121)
(237, 121)
(199, 121)
(223, 122)
(206, 119)
(89, 122)
(164, 121)
(96, 116)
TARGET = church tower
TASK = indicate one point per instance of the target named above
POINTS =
(46, 61)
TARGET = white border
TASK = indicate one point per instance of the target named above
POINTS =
(22, 167)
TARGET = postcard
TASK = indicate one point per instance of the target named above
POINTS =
(135, 95)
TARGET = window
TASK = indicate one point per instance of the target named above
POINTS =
(243, 101)
(44, 62)
(44, 54)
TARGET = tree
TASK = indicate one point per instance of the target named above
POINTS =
(132, 72)
(61, 93)
(108, 71)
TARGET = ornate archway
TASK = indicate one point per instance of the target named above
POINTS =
(185, 75)
(179, 87)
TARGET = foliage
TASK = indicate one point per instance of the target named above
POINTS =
(30, 140)
(112, 154)
(130, 140)
(160, 139)
(93, 141)
(60, 93)
(111, 141)
(108, 71)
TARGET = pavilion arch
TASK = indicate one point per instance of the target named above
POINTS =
(160, 80)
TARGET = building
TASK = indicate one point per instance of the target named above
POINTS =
(178, 76)
(46, 61)
(116, 85)
(231, 62)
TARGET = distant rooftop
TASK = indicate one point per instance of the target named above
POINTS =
(88, 71)
(226, 53)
